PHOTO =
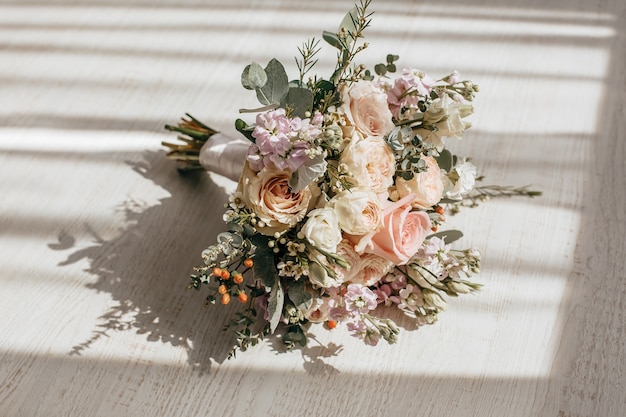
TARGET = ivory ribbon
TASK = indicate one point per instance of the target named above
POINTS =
(224, 156)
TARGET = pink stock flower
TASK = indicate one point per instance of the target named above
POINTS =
(281, 141)
(360, 299)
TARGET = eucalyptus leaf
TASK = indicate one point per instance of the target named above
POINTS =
(300, 100)
(275, 305)
(445, 160)
(449, 236)
(381, 69)
(277, 84)
(253, 77)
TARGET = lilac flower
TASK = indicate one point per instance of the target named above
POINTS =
(360, 299)
(282, 141)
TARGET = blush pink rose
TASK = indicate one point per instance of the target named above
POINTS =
(426, 187)
(365, 106)
(402, 234)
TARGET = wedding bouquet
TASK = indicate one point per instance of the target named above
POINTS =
(343, 185)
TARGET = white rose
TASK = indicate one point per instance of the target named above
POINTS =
(358, 211)
(462, 180)
(447, 115)
(322, 229)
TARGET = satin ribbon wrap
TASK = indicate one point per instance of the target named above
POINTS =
(224, 156)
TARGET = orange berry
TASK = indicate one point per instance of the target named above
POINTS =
(434, 228)
(242, 297)
(217, 271)
(439, 210)
(225, 274)
(225, 298)
(248, 263)
(331, 324)
(237, 278)
(222, 289)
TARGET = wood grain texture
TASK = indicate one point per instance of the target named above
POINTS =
(98, 232)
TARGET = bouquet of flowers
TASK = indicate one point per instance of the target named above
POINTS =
(344, 185)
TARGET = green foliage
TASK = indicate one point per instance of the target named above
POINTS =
(275, 305)
(448, 235)
(253, 77)
(277, 84)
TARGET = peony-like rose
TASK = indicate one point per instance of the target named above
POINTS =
(358, 210)
(371, 163)
(427, 186)
(322, 229)
(402, 234)
(365, 107)
(371, 269)
(268, 194)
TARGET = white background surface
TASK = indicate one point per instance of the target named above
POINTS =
(98, 232)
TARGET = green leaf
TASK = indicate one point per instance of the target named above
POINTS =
(349, 23)
(392, 58)
(445, 160)
(299, 296)
(275, 305)
(332, 39)
(277, 84)
(242, 127)
(300, 100)
(253, 77)
(264, 268)
(448, 235)
(380, 69)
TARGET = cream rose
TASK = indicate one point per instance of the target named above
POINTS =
(372, 268)
(322, 229)
(402, 234)
(268, 194)
(365, 107)
(358, 211)
(447, 115)
(427, 186)
(371, 163)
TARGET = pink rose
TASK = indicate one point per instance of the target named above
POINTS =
(402, 234)
(365, 107)
(426, 187)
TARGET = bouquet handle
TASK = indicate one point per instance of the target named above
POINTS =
(224, 155)
(202, 147)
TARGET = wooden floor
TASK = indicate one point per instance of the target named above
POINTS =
(98, 232)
